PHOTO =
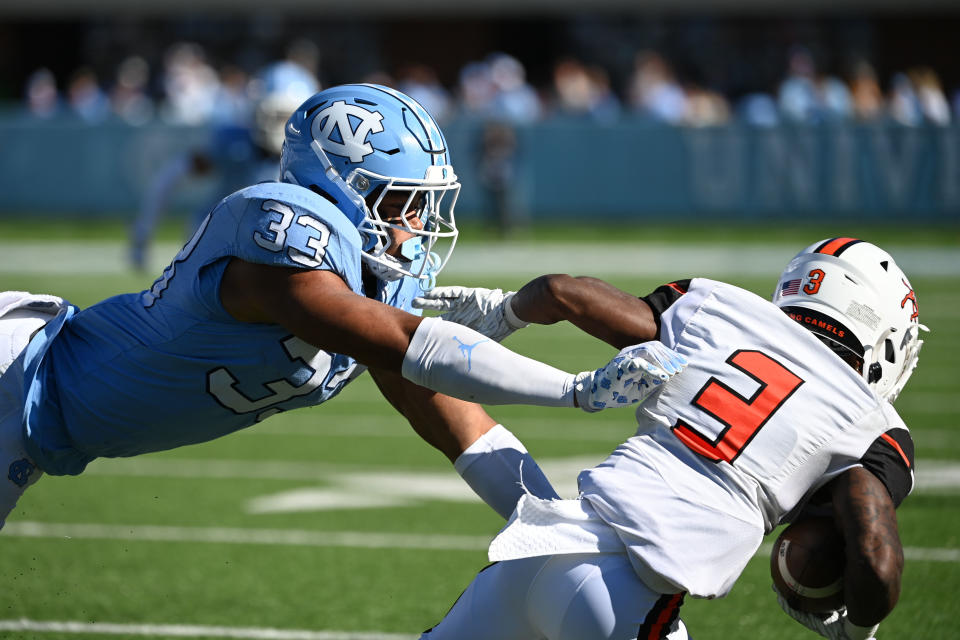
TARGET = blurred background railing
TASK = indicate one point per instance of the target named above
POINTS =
(557, 169)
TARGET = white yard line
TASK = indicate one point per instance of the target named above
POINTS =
(931, 474)
(917, 554)
(295, 537)
(227, 535)
(507, 259)
(192, 631)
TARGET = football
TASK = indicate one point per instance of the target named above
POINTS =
(807, 565)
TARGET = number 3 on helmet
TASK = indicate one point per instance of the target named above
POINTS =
(356, 144)
(855, 298)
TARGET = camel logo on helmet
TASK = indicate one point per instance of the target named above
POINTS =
(912, 297)
(342, 129)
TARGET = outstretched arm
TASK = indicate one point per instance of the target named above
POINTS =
(318, 307)
(595, 306)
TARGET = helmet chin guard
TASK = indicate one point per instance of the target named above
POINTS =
(855, 298)
(358, 144)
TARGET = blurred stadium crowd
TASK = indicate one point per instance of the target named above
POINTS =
(689, 114)
(187, 86)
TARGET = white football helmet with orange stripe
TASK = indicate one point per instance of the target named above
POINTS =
(856, 299)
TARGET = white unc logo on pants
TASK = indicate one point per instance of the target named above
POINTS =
(333, 129)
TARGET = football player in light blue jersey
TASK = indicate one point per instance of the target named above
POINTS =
(244, 148)
(286, 292)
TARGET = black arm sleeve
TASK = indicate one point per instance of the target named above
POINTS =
(890, 458)
(662, 297)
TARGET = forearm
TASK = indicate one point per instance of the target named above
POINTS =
(595, 306)
(460, 362)
(874, 555)
(448, 424)
(490, 459)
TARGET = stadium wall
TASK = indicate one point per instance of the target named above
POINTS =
(556, 168)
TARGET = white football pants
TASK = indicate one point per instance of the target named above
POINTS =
(593, 596)
(19, 471)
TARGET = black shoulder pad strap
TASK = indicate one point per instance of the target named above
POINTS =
(890, 458)
(664, 296)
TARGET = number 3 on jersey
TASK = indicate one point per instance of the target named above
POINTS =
(742, 417)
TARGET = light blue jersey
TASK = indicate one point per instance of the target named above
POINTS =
(169, 366)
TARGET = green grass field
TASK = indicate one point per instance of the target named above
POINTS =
(249, 534)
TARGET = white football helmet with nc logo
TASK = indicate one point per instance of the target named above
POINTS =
(355, 144)
(855, 298)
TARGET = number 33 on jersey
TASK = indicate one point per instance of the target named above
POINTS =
(274, 224)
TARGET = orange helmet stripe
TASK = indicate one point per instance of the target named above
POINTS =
(836, 246)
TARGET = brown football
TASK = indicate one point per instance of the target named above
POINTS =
(807, 565)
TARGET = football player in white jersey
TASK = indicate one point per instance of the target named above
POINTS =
(783, 407)
(287, 292)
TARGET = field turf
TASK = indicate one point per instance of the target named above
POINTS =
(338, 523)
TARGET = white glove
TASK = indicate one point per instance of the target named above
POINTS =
(833, 625)
(487, 311)
(634, 374)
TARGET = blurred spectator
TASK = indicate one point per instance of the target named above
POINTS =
(583, 91)
(705, 107)
(903, 105)
(128, 97)
(808, 96)
(420, 82)
(85, 97)
(653, 90)
(865, 93)
(231, 101)
(191, 92)
(513, 99)
(933, 102)
(759, 110)
(496, 169)
(190, 85)
(43, 100)
(606, 105)
(833, 99)
(797, 96)
(573, 91)
(476, 89)
(497, 89)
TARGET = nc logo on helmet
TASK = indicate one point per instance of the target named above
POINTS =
(333, 128)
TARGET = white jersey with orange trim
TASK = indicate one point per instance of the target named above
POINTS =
(763, 416)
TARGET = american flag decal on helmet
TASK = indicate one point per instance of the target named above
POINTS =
(790, 287)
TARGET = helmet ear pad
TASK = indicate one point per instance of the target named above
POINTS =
(855, 298)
